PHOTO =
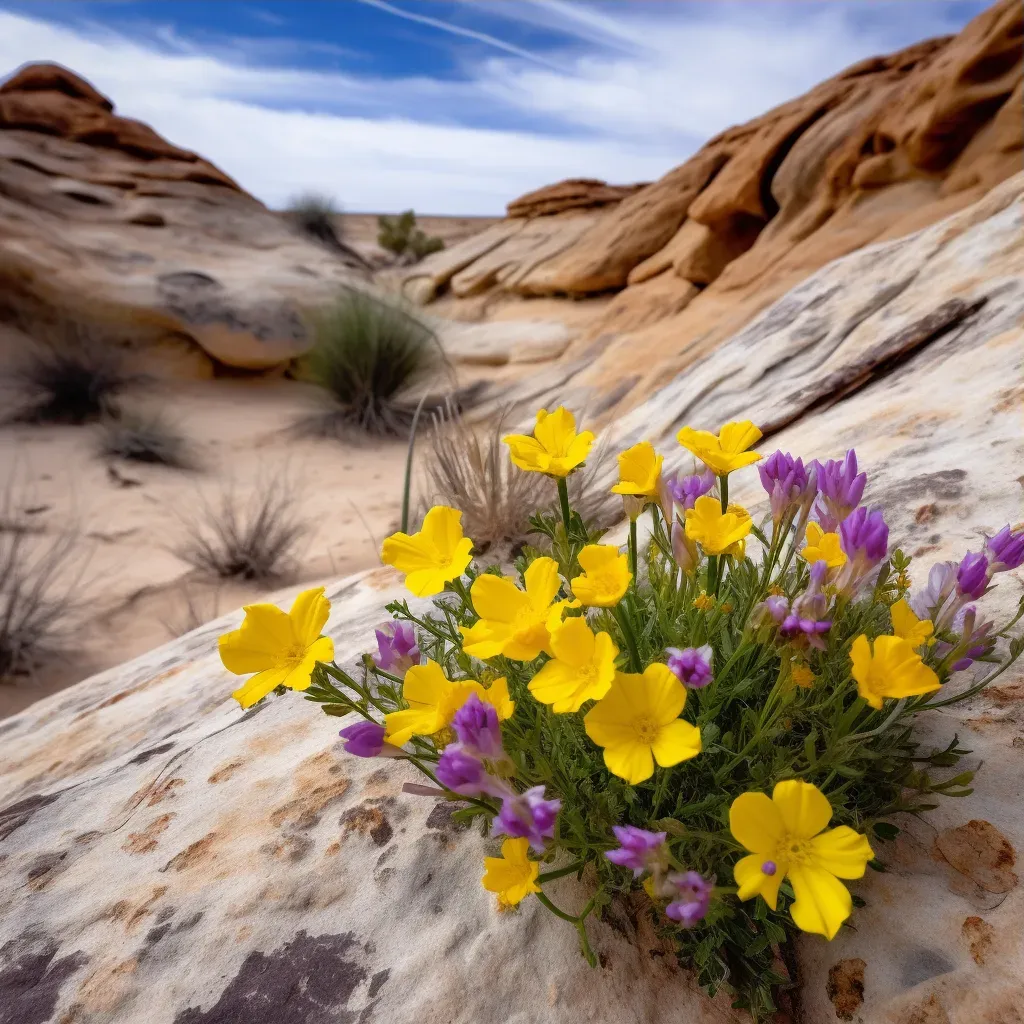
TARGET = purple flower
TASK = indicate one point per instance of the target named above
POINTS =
(684, 550)
(1006, 549)
(685, 490)
(639, 850)
(787, 482)
(840, 488)
(976, 640)
(692, 900)
(771, 611)
(864, 535)
(364, 739)
(476, 725)
(461, 772)
(398, 649)
(941, 582)
(692, 665)
(807, 616)
(528, 815)
(811, 629)
(972, 576)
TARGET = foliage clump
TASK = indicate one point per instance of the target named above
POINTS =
(400, 236)
(367, 353)
(145, 437)
(718, 720)
(316, 214)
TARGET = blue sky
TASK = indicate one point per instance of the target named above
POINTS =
(453, 106)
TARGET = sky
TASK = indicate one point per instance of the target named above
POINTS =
(453, 106)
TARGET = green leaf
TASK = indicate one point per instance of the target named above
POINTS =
(885, 830)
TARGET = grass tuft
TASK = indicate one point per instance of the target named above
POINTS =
(314, 214)
(40, 596)
(367, 353)
(254, 538)
(145, 437)
(73, 382)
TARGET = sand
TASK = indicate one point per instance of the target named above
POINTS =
(128, 517)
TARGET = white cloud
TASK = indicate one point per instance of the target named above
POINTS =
(641, 87)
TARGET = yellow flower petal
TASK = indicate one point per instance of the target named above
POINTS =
(842, 852)
(582, 668)
(660, 693)
(498, 697)
(639, 471)
(258, 642)
(631, 761)
(678, 741)
(823, 547)
(739, 436)
(309, 615)
(555, 447)
(907, 626)
(716, 531)
(497, 598)
(804, 809)
(889, 668)
(485, 639)
(822, 903)
(751, 881)
(756, 823)
(435, 555)
(256, 688)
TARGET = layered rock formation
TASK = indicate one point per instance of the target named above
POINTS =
(105, 224)
(886, 147)
(169, 858)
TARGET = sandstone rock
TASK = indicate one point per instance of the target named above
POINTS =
(98, 214)
(571, 194)
(702, 258)
(169, 858)
(501, 342)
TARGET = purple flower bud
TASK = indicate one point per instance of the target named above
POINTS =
(692, 665)
(840, 488)
(812, 603)
(527, 815)
(397, 647)
(772, 611)
(1006, 549)
(684, 550)
(364, 739)
(976, 640)
(787, 483)
(769, 867)
(941, 583)
(685, 490)
(972, 576)
(476, 725)
(639, 850)
(864, 536)
(693, 899)
(461, 772)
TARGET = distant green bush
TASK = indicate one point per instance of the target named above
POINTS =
(401, 236)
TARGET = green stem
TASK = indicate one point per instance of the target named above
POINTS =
(387, 675)
(407, 485)
(627, 632)
(554, 910)
(571, 869)
(563, 501)
(713, 575)
(632, 550)
(723, 487)
(578, 921)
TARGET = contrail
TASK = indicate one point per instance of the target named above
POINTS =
(458, 30)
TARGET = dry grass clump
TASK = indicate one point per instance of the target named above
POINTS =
(41, 578)
(74, 381)
(470, 469)
(314, 214)
(145, 437)
(253, 538)
(367, 353)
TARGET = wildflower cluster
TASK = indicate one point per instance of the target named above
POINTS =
(721, 717)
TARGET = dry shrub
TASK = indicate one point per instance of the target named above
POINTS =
(470, 469)
(145, 437)
(254, 538)
(41, 588)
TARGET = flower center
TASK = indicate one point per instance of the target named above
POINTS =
(795, 850)
(291, 656)
(646, 729)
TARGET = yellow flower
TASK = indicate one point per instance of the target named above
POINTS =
(892, 668)
(823, 547)
(582, 668)
(802, 674)
(513, 876)
(637, 722)
(280, 647)
(433, 700)
(639, 471)
(605, 576)
(907, 626)
(703, 602)
(718, 532)
(433, 556)
(555, 448)
(785, 836)
(726, 452)
(514, 622)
